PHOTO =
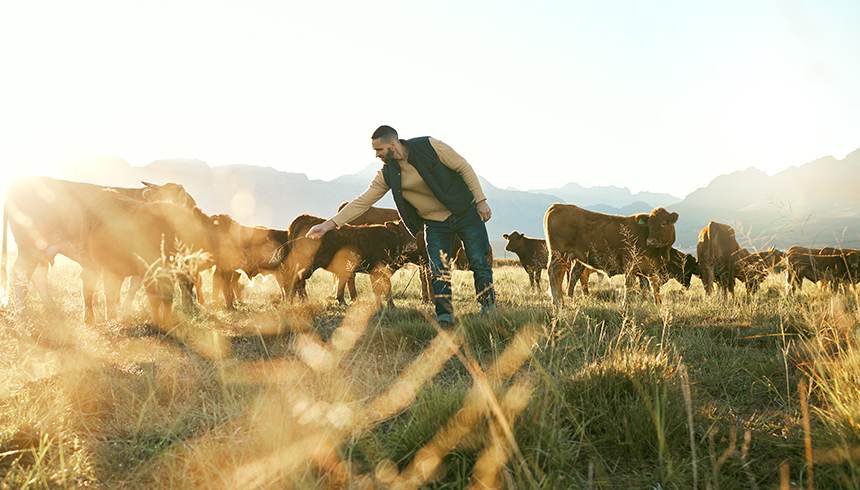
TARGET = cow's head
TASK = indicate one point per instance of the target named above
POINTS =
(515, 241)
(169, 192)
(405, 241)
(661, 227)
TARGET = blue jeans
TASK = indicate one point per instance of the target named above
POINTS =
(440, 236)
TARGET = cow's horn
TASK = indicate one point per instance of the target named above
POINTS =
(148, 184)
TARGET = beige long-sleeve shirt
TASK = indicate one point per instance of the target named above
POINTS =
(415, 190)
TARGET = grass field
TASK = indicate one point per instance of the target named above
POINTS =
(610, 391)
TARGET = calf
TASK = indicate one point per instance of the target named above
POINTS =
(418, 256)
(256, 250)
(531, 252)
(682, 267)
(637, 244)
(754, 268)
(374, 249)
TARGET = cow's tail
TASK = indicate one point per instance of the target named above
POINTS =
(4, 274)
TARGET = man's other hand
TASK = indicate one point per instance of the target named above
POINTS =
(484, 210)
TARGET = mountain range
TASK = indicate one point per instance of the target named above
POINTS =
(812, 205)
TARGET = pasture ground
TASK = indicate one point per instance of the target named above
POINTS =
(600, 394)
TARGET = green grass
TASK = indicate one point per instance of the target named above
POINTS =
(316, 395)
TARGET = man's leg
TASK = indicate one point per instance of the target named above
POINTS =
(439, 237)
(473, 232)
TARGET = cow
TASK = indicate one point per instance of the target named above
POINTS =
(418, 256)
(262, 250)
(135, 238)
(378, 250)
(754, 268)
(50, 216)
(531, 252)
(637, 244)
(718, 254)
(533, 257)
(833, 265)
(300, 256)
(682, 267)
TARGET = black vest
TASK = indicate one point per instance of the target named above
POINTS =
(446, 184)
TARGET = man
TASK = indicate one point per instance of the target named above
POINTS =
(436, 190)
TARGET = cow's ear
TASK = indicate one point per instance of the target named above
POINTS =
(392, 224)
(642, 219)
(673, 218)
(506, 236)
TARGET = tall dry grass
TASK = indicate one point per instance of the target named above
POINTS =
(610, 390)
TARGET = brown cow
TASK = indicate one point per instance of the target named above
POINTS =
(50, 216)
(718, 254)
(134, 238)
(638, 244)
(531, 252)
(378, 216)
(301, 255)
(754, 268)
(262, 251)
(375, 249)
(682, 267)
(834, 265)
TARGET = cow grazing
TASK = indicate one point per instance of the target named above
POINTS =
(682, 267)
(718, 253)
(637, 244)
(754, 268)
(255, 249)
(829, 265)
(50, 216)
(134, 238)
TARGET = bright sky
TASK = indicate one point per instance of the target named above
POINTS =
(658, 96)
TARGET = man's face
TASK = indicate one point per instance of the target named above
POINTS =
(384, 151)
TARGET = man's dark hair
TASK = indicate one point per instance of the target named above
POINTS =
(384, 133)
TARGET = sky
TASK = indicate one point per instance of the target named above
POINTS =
(659, 96)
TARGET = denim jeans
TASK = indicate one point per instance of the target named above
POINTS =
(440, 236)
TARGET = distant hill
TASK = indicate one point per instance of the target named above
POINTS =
(814, 204)
(607, 196)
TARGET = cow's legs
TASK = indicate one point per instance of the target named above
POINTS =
(112, 285)
(656, 281)
(707, 269)
(40, 282)
(160, 294)
(89, 280)
(22, 272)
(134, 283)
(556, 269)
(575, 274)
(380, 279)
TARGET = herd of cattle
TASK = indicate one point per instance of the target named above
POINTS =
(144, 233)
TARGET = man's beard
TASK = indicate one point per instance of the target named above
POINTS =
(389, 157)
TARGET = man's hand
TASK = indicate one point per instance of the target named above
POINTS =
(484, 210)
(319, 230)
